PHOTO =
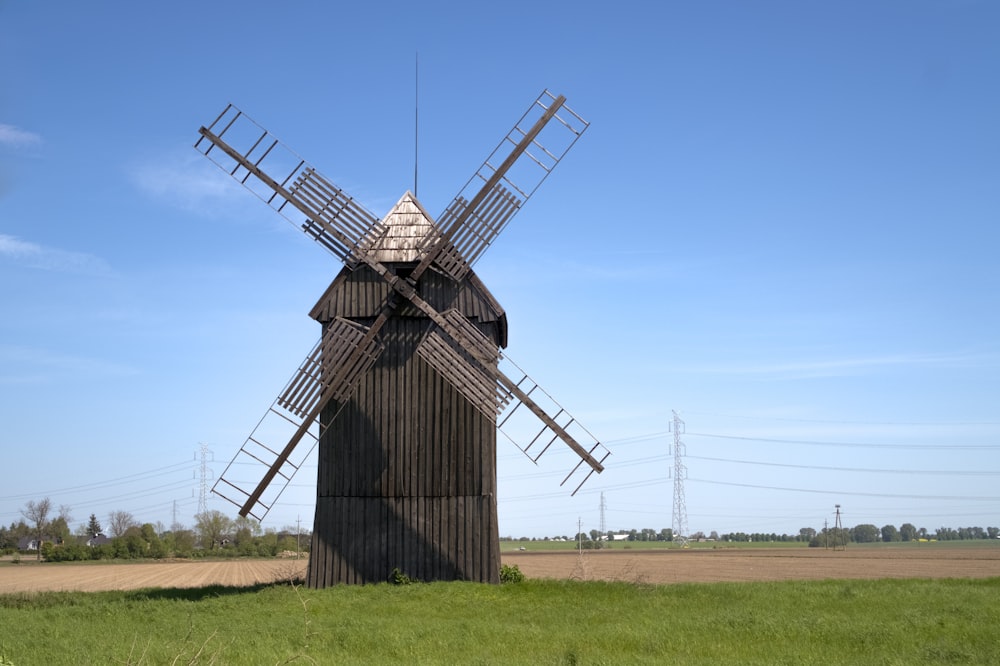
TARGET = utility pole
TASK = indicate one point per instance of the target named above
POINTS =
(838, 531)
(679, 522)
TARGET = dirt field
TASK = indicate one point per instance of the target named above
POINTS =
(706, 566)
(640, 566)
(85, 577)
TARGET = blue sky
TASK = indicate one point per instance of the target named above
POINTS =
(782, 223)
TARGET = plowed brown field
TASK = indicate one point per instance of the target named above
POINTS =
(87, 577)
(639, 566)
(703, 566)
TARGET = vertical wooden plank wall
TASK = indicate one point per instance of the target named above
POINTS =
(407, 471)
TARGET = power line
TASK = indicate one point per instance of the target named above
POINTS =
(852, 493)
(871, 445)
(843, 422)
(936, 472)
(99, 485)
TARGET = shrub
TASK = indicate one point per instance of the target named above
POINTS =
(70, 552)
(510, 573)
(397, 577)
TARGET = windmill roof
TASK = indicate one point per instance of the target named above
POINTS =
(360, 292)
(407, 227)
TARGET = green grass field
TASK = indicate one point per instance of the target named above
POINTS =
(536, 622)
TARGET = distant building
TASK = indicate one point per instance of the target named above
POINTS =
(31, 543)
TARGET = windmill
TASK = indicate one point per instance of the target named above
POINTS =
(407, 387)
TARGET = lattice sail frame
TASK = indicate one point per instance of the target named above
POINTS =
(304, 197)
(480, 377)
(328, 372)
(504, 182)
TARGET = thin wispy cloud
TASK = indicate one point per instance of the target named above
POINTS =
(33, 255)
(192, 183)
(17, 137)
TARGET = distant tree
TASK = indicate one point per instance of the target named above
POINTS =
(907, 532)
(59, 530)
(181, 543)
(830, 537)
(666, 534)
(865, 533)
(93, 526)
(595, 535)
(245, 529)
(806, 534)
(267, 544)
(993, 532)
(13, 534)
(119, 522)
(946, 534)
(154, 545)
(37, 513)
(212, 526)
(971, 533)
(890, 534)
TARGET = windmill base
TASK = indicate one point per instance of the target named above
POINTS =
(359, 540)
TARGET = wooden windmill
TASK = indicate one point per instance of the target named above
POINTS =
(407, 388)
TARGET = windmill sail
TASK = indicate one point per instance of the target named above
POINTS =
(283, 180)
(530, 404)
(329, 371)
(509, 402)
(509, 176)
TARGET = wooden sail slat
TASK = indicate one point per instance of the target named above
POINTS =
(478, 387)
(334, 208)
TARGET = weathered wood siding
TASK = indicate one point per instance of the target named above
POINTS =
(407, 471)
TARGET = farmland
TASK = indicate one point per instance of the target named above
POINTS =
(931, 560)
(646, 565)
(912, 604)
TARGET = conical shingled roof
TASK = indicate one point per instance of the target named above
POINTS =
(360, 293)
(407, 230)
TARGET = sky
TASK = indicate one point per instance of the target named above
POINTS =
(781, 224)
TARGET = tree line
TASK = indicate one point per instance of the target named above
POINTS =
(864, 533)
(46, 533)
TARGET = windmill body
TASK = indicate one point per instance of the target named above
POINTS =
(407, 388)
(406, 466)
